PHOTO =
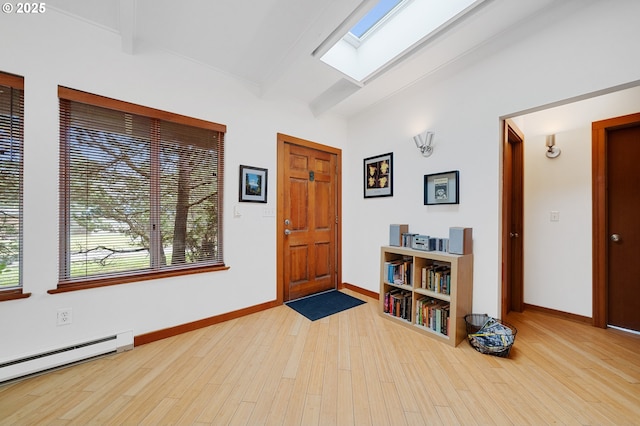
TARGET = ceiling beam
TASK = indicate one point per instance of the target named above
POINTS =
(335, 94)
(128, 25)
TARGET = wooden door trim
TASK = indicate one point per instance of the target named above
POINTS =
(283, 139)
(508, 127)
(599, 211)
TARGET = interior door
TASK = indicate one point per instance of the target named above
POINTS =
(623, 205)
(512, 231)
(309, 220)
(616, 228)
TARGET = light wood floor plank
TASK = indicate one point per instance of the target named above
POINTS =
(106, 414)
(311, 413)
(242, 414)
(345, 411)
(319, 360)
(359, 394)
(379, 414)
(295, 407)
(329, 406)
(293, 363)
(159, 413)
(194, 403)
(279, 404)
(215, 402)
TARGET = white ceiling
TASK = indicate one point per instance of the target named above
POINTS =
(268, 44)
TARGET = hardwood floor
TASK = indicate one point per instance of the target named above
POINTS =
(277, 367)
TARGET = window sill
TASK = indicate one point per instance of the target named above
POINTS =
(65, 286)
(13, 295)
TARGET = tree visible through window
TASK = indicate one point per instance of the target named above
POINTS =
(11, 143)
(140, 194)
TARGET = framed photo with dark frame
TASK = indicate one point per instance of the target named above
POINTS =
(442, 188)
(378, 176)
(253, 184)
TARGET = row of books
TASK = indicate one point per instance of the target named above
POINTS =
(397, 303)
(437, 278)
(433, 314)
(400, 271)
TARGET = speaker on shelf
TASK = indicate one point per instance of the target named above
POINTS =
(460, 240)
(395, 234)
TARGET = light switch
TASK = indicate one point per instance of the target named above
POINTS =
(269, 212)
(555, 216)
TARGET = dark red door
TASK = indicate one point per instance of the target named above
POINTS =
(623, 226)
(513, 271)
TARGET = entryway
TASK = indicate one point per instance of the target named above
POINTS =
(583, 260)
(308, 218)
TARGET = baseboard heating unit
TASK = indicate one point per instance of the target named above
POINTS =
(65, 356)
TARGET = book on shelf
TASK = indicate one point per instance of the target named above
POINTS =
(437, 278)
(397, 303)
(433, 314)
(400, 271)
(389, 300)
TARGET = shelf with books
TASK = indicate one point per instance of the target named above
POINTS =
(398, 303)
(433, 315)
(399, 271)
(430, 292)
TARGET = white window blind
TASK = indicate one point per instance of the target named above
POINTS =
(11, 159)
(139, 194)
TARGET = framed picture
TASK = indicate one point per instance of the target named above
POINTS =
(442, 188)
(378, 176)
(253, 184)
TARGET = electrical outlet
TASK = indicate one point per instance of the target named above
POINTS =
(65, 316)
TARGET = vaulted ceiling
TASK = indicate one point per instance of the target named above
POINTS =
(268, 44)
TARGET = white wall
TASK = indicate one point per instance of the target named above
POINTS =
(572, 54)
(53, 49)
(558, 255)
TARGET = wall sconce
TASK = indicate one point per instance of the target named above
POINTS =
(552, 150)
(423, 142)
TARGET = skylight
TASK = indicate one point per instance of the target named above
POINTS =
(389, 30)
(374, 16)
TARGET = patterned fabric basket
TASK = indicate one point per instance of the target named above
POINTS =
(489, 335)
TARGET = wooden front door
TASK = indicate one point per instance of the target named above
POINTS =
(512, 239)
(616, 222)
(308, 216)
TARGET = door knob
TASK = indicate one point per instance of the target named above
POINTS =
(513, 234)
(615, 238)
(287, 231)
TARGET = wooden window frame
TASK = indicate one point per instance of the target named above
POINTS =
(13, 293)
(71, 284)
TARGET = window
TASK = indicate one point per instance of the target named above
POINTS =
(379, 12)
(141, 192)
(11, 149)
(388, 33)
